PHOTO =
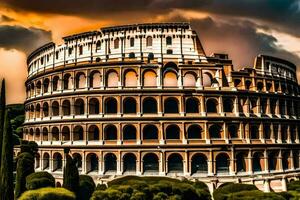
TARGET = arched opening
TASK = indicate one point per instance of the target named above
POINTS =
(46, 85)
(233, 131)
(110, 162)
(192, 105)
(150, 163)
(257, 162)
(37, 136)
(66, 107)
(37, 160)
(170, 79)
(149, 41)
(129, 105)
(215, 131)
(248, 84)
(272, 161)
(38, 111)
(253, 106)
(150, 78)
(129, 162)
(57, 162)
(93, 106)
(189, 80)
(98, 46)
(172, 132)
(46, 161)
(112, 79)
(66, 133)
(55, 108)
(95, 79)
(211, 106)
(45, 134)
(228, 105)
(222, 163)
(79, 107)
(55, 83)
(241, 162)
(38, 87)
(169, 40)
(296, 159)
(194, 132)
(31, 114)
(175, 163)
(46, 109)
(254, 132)
(131, 42)
(93, 133)
(207, 79)
(130, 79)
(150, 132)
(30, 137)
(78, 133)
(78, 159)
(286, 160)
(116, 43)
(284, 134)
(111, 106)
(92, 163)
(171, 105)
(267, 131)
(32, 89)
(67, 82)
(55, 134)
(110, 132)
(259, 86)
(129, 132)
(199, 164)
(149, 105)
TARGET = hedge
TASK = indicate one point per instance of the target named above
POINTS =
(86, 187)
(48, 194)
(223, 192)
(254, 195)
(39, 180)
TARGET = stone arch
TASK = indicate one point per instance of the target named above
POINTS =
(66, 107)
(110, 162)
(38, 87)
(66, 135)
(212, 105)
(207, 79)
(38, 110)
(57, 162)
(215, 131)
(46, 109)
(116, 43)
(199, 163)
(92, 163)
(149, 78)
(149, 105)
(37, 136)
(79, 106)
(149, 41)
(78, 133)
(129, 132)
(30, 137)
(175, 163)
(172, 132)
(228, 105)
(189, 79)
(129, 162)
(168, 40)
(150, 132)
(171, 105)
(67, 82)
(130, 78)
(95, 79)
(259, 86)
(241, 165)
(111, 106)
(80, 80)
(46, 161)
(267, 131)
(94, 106)
(110, 132)
(37, 159)
(55, 108)
(273, 160)
(55, 83)
(78, 159)
(31, 112)
(194, 131)
(170, 78)
(55, 134)
(46, 85)
(254, 131)
(129, 105)
(112, 78)
(150, 163)
(248, 84)
(296, 159)
(286, 160)
(222, 163)
(45, 134)
(192, 105)
(233, 131)
(93, 133)
(258, 161)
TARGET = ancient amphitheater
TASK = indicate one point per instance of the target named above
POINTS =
(146, 100)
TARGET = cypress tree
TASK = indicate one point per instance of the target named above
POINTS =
(2, 113)
(6, 171)
(71, 175)
(25, 167)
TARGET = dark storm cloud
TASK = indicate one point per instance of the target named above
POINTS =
(23, 39)
(283, 14)
(240, 40)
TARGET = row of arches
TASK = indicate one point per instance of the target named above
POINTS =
(198, 163)
(283, 132)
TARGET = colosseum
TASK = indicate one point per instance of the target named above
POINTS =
(146, 100)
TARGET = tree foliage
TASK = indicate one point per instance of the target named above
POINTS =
(48, 194)
(71, 175)
(39, 180)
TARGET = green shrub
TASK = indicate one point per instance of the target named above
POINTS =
(39, 180)
(295, 195)
(48, 194)
(101, 187)
(294, 185)
(86, 187)
(254, 195)
(286, 195)
(109, 194)
(160, 196)
(223, 192)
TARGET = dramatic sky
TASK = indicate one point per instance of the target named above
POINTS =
(241, 28)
